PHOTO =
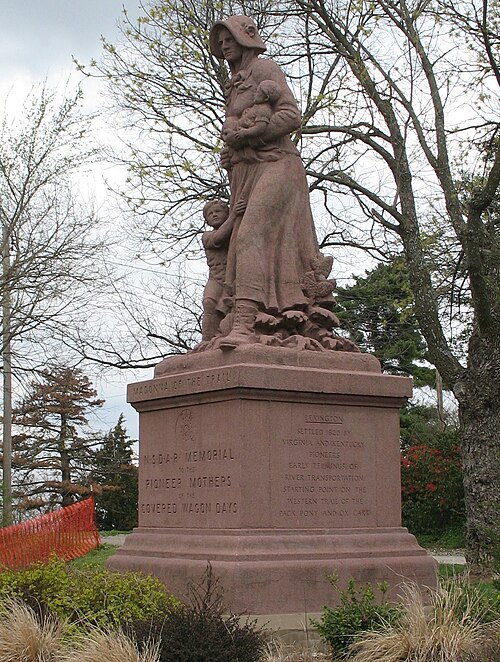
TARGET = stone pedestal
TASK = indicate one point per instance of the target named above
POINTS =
(277, 466)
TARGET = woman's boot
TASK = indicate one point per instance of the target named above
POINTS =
(242, 332)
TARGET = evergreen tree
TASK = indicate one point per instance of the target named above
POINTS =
(53, 446)
(378, 313)
(115, 481)
(419, 425)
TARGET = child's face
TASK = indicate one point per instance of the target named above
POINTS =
(216, 215)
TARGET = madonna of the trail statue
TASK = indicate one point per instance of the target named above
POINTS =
(278, 466)
(276, 289)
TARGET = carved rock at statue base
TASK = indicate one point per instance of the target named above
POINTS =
(309, 328)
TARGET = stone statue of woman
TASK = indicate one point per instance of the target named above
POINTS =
(276, 288)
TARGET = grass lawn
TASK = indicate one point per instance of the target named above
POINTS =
(449, 539)
(96, 558)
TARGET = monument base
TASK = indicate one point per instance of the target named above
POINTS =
(278, 467)
(277, 572)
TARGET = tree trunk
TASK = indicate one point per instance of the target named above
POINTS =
(7, 380)
(67, 497)
(65, 463)
(479, 399)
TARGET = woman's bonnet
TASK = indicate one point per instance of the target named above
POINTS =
(244, 31)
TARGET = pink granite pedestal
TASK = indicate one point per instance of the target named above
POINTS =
(277, 466)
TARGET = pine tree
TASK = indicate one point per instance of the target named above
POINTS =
(115, 481)
(378, 313)
(53, 446)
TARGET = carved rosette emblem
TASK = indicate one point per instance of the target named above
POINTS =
(186, 427)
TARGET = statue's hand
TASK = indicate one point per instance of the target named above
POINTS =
(234, 139)
(225, 157)
(240, 207)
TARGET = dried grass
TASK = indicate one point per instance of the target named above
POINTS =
(99, 646)
(449, 629)
(26, 638)
(278, 651)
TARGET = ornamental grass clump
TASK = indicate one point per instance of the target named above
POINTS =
(100, 646)
(278, 651)
(458, 625)
(26, 637)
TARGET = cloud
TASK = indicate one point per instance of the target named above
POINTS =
(40, 38)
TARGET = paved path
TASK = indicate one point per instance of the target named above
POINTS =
(454, 557)
(117, 540)
(451, 557)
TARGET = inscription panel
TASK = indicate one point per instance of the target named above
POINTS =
(323, 469)
(181, 384)
(280, 465)
(188, 476)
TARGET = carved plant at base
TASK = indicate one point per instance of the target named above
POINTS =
(311, 328)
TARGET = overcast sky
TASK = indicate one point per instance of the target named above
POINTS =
(37, 41)
(39, 37)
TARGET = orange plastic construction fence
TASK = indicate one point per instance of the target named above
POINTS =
(65, 533)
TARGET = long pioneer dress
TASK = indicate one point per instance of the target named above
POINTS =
(272, 244)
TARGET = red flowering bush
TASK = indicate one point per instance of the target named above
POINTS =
(431, 487)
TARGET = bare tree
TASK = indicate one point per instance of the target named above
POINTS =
(51, 251)
(148, 315)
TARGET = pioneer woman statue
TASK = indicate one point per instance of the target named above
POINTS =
(276, 289)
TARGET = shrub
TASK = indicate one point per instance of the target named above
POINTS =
(431, 488)
(113, 599)
(103, 598)
(46, 587)
(357, 612)
(203, 631)
(456, 626)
